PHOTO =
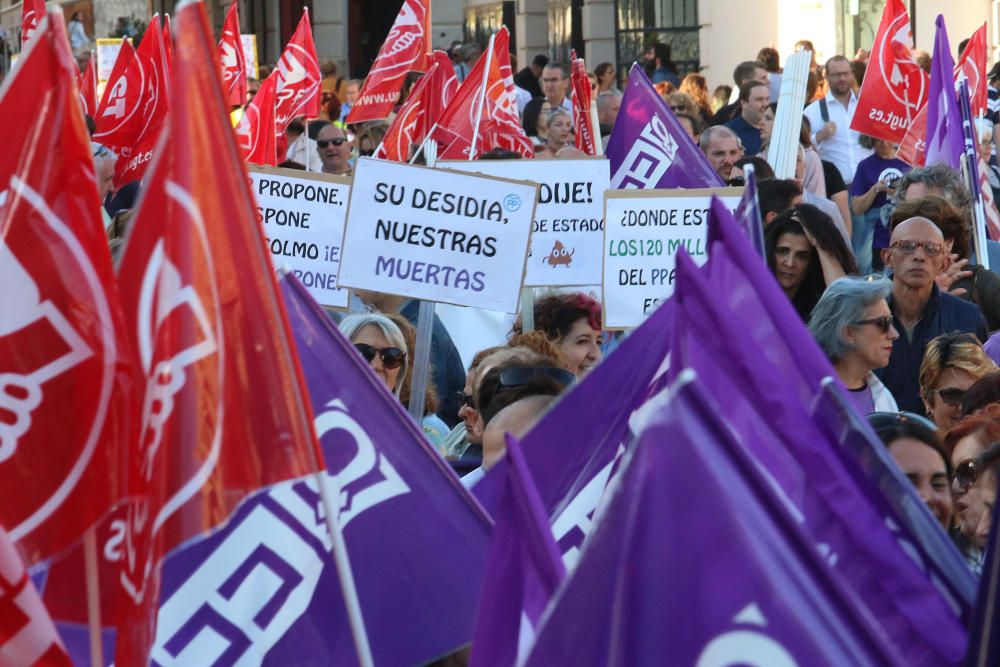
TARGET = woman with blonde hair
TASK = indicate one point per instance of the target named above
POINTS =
(696, 86)
(952, 363)
(683, 103)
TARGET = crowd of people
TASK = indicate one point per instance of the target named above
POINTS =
(874, 255)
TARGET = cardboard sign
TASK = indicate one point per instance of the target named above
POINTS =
(107, 53)
(644, 230)
(249, 43)
(437, 234)
(567, 232)
(303, 215)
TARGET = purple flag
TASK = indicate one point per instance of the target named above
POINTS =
(265, 590)
(649, 149)
(834, 506)
(984, 643)
(944, 122)
(523, 570)
(694, 561)
(571, 452)
(748, 213)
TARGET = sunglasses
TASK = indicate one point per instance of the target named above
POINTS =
(884, 323)
(951, 396)
(336, 141)
(466, 400)
(392, 357)
(931, 249)
(518, 377)
(965, 475)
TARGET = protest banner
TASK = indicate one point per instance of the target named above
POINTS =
(107, 53)
(437, 235)
(250, 55)
(644, 230)
(303, 216)
(567, 230)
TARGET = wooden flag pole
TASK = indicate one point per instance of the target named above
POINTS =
(425, 332)
(93, 597)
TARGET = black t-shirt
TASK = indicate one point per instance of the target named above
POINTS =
(834, 181)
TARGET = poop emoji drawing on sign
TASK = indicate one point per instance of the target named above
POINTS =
(560, 255)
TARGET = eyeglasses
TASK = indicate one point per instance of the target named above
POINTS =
(336, 141)
(466, 400)
(676, 108)
(931, 249)
(517, 377)
(550, 80)
(966, 474)
(884, 323)
(951, 396)
(392, 357)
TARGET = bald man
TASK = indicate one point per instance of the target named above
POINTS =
(517, 419)
(916, 254)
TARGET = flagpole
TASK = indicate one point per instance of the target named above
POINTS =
(595, 123)
(425, 331)
(482, 101)
(93, 597)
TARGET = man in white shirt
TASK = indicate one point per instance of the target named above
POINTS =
(831, 120)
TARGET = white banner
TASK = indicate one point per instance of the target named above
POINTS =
(249, 43)
(436, 234)
(644, 231)
(567, 231)
(303, 215)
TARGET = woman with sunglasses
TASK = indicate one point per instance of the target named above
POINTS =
(952, 363)
(853, 326)
(381, 343)
(914, 446)
(968, 440)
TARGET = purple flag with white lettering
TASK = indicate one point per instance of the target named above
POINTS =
(572, 451)
(834, 505)
(944, 121)
(694, 561)
(523, 570)
(649, 149)
(265, 590)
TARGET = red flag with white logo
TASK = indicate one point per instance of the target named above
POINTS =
(411, 124)
(255, 132)
(64, 377)
(583, 126)
(32, 12)
(223, 405)
(234, 66)
(487, 96)
(87, 82)
(298, 85)
(27, 635)
(895, 87)
(406, 49)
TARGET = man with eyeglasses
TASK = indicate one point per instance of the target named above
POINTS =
(555, 85)
(334, 150)
(831, 117)
(916, 255)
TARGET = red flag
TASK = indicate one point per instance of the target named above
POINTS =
(64, 396)
(298, 85)
(234, 66)
(430, 95)
(87, 82)
(168, 40)
(32, 12)
(224, 411)
(27, 635)
(256, 133)
(972, 63)
(583, 126)
(486, 94)
(895, 87)
(405, 49)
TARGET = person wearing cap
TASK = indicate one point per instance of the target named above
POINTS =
(528, 77)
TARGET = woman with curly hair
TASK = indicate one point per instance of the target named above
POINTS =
(696, 86)
(573, 322)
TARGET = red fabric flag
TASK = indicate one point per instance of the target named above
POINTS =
(32, 12)
(895, 87)
(405, 49)
(972, 63)
(583, 126)
(168, 40)
(298, 85)
(64, 393)
(234, 66)
(27, 635)
(87, 82)
(411, 124)
(256, 133)
(486, 94)
(224, 410)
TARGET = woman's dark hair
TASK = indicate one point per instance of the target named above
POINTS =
(891, 426)
(761, 168)
(822, 228)
(954, 225)
(602, 69)
(556, 313)
(529, 118)
(983, 392)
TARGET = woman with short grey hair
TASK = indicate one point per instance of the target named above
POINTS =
(854, 327)
(381, 343)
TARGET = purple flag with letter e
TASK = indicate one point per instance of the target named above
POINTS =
(945, 144)
(728, 580)
(264, 590)
(523, 570)
(649, 149)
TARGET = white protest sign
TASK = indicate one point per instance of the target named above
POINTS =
(249, 43)
(303, 215)
(566, 234)
(107, 53)
(644, 230)
(437, 235)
